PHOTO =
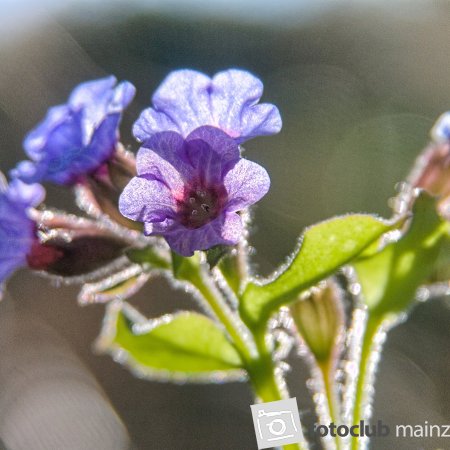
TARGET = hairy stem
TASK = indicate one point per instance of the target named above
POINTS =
(224, 314)
(327, 370)
(264, 379)
(366, 373)
(259, 362)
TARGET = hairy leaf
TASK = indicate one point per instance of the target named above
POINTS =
(390, 278)
(186, 345)
(323, 249)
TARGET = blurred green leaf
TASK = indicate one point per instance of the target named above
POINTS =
(325, 247)
(147, 255)
(189, 344)
(215, 254)
(185, 268)
(229, 266)
(390, 278)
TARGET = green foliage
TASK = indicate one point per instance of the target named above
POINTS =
(147, 255)
(325, 247)
(390, 278)
(215, 254)
(229, 266)
(185, 268)
(190, 344)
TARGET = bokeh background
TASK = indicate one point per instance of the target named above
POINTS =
(359, 84)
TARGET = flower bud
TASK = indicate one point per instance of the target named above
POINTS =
(319, 318)
(432, 170)
(99, 193)
(70, 246)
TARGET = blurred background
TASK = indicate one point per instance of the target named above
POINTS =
(358, 84)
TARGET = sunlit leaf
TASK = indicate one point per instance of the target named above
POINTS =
(186, 346)
(147, 255)
(390, 278)
(185, 268)
(324, 248)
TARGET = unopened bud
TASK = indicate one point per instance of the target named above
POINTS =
(319, 318)
(100, 191)
(70, 246)
(432, 170)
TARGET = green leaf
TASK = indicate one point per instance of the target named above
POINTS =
(325, 247)
(390, 278)
(185, 268)
(215, 254)
(147, 255)
(229, 266)
(189, 345)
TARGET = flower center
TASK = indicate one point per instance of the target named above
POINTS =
(200, 205)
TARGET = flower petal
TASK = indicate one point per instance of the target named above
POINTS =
(441, 129)
(25, 194)
(91, 92)
(211, 153)
(76, 138)
(246, 183)
(99, 98)
(17, 230)
(226, 229)
(146, 200)
(180, 104)
(187, 99)
(163, 157)
(36, 139)
(28, 171)
(234, 97)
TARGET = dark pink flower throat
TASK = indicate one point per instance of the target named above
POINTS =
(200, 205)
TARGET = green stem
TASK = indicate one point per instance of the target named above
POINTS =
(372, 327)
(260, 367)
(262, 376)
(327, 369)
(222, 312)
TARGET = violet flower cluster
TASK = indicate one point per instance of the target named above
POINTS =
(76, 138)
(189, 182)
(192, 181)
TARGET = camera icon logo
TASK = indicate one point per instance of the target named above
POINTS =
(277, 423)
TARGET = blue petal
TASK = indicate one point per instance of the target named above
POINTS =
(224, 230)
(188, 99)
(25, 194)
(211, 153)
(246, 183)
(147, 200)
(163, 157)
(76, 138)
(36, 139)
(16, 228)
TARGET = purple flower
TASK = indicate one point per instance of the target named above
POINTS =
(17, 229)
(188, 99)
(441, 129)
(76, 138)
(190, 190)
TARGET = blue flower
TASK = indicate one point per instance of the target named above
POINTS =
(441, 129)
(76, 138)
(191, 190)
(188, 99)
(17, 228)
